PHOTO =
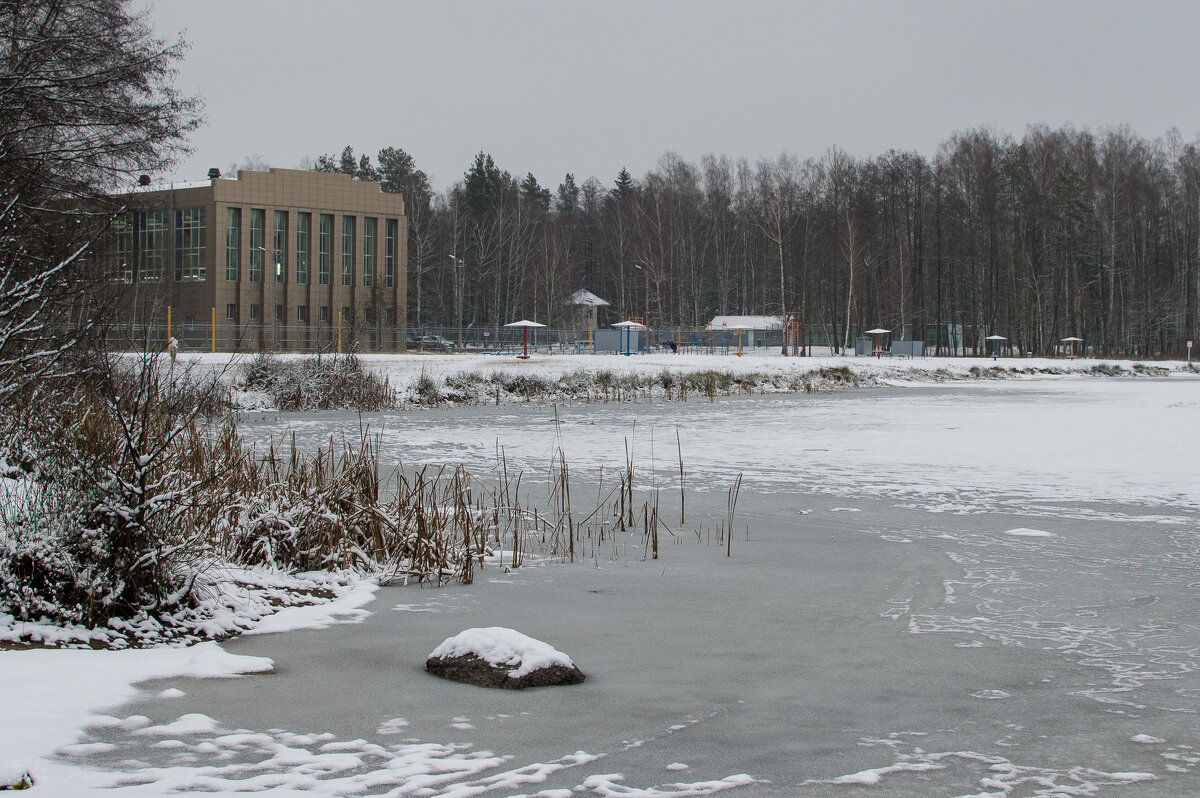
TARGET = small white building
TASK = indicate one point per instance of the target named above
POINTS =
(586, 309)
(758, 330)
(746, 323)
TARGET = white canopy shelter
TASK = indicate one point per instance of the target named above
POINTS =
(525, 324)
(878, 332)
(627, 327)
(1072, 340)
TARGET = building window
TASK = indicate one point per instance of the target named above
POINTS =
(301, 313)
(231, 312)
(323, 313)
(153, 245)
(233, 244)
(258, 239)
(121, 268)
(389, 316)
(325, 266)
(303, 246)
(369, 231)
(253, 312)
(279, 245)
(346, 314)
(391, 231)
(189, 244)
(368, 315)
(279, 313)
(347, 250)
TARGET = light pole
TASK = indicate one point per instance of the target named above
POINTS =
(458, 292)
(278, 306)
(646, 273)
(276, 310)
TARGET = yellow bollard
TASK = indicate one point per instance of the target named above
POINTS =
(168, 322)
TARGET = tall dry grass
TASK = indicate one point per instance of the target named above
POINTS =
(142, 479)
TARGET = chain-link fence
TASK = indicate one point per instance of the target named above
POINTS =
(193, 336)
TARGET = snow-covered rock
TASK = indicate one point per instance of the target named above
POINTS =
(498, 657)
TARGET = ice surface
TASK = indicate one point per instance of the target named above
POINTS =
(919, 646)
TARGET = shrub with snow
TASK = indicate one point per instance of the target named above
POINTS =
(320, 382)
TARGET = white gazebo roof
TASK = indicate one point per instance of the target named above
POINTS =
(633, 325)
(524, 323)
(878, 331)
(585, 297)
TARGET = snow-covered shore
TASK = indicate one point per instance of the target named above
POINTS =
(425, 379)
(50, 695)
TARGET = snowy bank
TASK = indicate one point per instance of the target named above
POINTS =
(51, 695)
(231, 601)
(422, 380)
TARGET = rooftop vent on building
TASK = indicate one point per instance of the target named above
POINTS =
(214, 173)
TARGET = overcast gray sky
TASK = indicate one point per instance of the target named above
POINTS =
(557, 87)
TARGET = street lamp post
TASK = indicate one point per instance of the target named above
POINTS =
(646, 273)
(458, 298)
(277, 311)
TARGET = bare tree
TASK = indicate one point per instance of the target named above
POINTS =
(86, 104)
(776, 213)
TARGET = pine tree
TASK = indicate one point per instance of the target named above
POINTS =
(568, 197)
(364, 170)
(397, 173)
(624, 185)
(326, 163)
(346, 163)
(484, 185)
(535, 194)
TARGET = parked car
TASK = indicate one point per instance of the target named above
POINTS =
(436, 342)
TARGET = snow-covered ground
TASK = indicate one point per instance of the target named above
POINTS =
(979, 588)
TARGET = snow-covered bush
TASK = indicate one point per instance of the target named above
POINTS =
(40, 577)
(466, 386)
(320, 382)
(426, 389)
(106, 523)
(527, 386)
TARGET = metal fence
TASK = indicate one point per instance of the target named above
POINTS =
(193, 336)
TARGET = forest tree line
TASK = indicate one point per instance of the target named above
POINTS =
(1062, 232)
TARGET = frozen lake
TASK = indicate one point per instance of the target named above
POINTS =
(984, 589)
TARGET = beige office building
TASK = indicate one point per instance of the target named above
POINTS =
(279, 260)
